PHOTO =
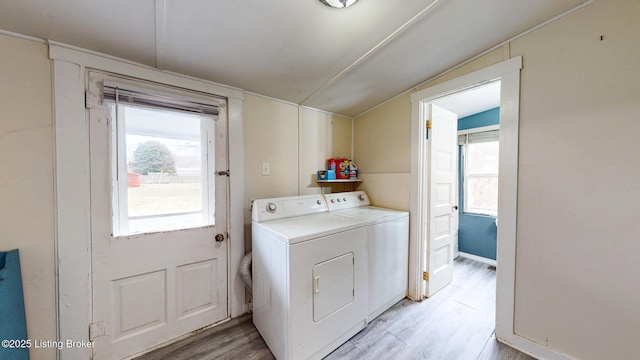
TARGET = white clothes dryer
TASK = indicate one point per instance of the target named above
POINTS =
(387, 244)
(309, 276)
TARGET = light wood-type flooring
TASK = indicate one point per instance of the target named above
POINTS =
(457, 323)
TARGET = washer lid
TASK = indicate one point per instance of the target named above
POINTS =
(372, 214)
(302, 228)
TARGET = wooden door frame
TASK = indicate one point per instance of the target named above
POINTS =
(72, 183)
(508, 72)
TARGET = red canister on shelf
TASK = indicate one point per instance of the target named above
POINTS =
(332, 164)
(342, 172)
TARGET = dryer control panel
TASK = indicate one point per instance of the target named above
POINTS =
(286, 207)
(347, 200)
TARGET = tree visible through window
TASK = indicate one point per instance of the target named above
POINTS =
(153, 156)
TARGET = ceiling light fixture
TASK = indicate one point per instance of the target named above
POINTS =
(340, 4)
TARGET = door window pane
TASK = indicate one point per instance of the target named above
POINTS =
(160, 169)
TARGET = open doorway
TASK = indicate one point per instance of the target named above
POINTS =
(508, 73)
(461, 205)
(478, 127)
(460, 182)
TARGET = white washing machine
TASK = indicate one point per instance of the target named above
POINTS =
(309, 276)
(387, 244)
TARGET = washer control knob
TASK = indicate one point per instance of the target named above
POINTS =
(344, 199)
(338, 199)
(319, 202)
(271, 207)
(332, 201)
(360, 197)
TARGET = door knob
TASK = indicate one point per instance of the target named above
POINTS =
(219, 237)
(455, 207)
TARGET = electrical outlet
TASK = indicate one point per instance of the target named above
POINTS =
(266, 169)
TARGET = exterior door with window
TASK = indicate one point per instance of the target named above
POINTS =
(159, 214)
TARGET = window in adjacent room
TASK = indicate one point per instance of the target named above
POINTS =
(480, 152)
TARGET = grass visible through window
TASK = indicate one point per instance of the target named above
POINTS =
(159, 199)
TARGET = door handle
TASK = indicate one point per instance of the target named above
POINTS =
(455, 207)
(219, 237)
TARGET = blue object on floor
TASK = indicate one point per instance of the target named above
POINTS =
(13, 324)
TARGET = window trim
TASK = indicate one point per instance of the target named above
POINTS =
(478, 129)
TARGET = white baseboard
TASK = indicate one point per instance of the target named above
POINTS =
(477, 258)
(532, 348)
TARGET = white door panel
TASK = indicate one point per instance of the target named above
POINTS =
(151, 288)
(441, 187)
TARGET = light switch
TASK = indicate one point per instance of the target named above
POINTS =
(266, 169)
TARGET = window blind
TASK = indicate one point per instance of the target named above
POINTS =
(484, 136)
(133, 97)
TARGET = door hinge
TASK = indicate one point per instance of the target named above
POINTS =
(95, 330)
(223, 173)
(428, 124)
(425, 276)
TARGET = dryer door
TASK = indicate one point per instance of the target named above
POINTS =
(333, 285)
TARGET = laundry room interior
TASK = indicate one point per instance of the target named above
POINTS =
(518, 240)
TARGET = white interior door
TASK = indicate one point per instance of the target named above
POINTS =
(441, 224)
(159, 249)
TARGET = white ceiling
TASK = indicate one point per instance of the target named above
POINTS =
(340, 60)
(472, 101)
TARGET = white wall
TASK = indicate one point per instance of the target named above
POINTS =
(577, 291)
(270, 135)
(321, 137)
(295, 141)
(26, 190)
(382, 144)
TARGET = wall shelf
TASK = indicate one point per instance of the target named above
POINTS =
(352, 182)
(339, 181)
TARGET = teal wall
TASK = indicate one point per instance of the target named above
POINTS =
(477, 234)
(485, 118)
